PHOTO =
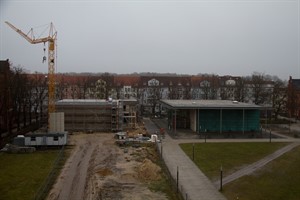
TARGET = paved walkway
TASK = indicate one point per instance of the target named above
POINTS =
(254, 166)
(193, 184)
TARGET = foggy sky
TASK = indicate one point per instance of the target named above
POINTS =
(236, 37)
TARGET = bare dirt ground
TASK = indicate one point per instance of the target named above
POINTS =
(99, 169)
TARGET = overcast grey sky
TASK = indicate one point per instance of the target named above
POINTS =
(236, 37)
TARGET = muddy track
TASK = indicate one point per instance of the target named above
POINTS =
(99, 169)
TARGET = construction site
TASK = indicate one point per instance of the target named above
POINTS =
(92, 115)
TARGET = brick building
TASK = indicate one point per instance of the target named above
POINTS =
(293, 102)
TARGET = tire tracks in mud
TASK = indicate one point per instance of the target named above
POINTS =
(72, 181)
(98, 169)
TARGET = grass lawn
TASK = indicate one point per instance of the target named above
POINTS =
(21, 175)
(279, 179)
(232, 156)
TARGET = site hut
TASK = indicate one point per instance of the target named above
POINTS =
(90, 115)
(212, 116)
(41, 139)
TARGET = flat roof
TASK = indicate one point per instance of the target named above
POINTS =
(59, 134)
(207, 104)
(82, 102)
(93, 101)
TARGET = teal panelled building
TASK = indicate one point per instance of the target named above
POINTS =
(212, 115)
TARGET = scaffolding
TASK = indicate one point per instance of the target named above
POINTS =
(129, 115)
(97, 115)
(116, 116)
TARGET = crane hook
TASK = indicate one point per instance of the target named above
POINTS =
(44, 57)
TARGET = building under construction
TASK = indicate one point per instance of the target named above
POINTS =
(98, 115)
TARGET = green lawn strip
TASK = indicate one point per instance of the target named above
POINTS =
(164, 185)
(22, 174)
(209, 157)
(280, 179)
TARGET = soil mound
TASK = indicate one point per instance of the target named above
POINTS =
(104, 172)
(149, 171)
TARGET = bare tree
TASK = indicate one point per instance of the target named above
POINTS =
(100, 89)
(62, 87)
(209, 87)
(154, 96)
(18, 83)
(241, 90)
(109, 79)
(40, 89)
(261, 89)
(214, 86)
(279, 97)
(86, 83)
(187, 91)
(205, 88)
(5, 97)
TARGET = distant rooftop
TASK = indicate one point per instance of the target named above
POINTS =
(81, 101)
(208, 104)
(92, 101)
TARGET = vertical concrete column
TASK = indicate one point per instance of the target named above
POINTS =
(243, 120)
(175, 123)
(221, 120)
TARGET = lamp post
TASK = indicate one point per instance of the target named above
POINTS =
(221, 178)
(193, 151)
(177, 184)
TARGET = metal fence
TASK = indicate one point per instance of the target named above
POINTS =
(50, 179)
(178, 189)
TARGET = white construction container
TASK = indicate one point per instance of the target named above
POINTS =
(47, 139)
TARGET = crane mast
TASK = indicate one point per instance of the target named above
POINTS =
(51, 39)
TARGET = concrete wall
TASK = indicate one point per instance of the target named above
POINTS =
(193, 120)
(57, 122)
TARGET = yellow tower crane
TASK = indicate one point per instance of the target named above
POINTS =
(51, 39)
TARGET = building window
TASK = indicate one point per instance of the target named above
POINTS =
(32, 138)
(55, 138)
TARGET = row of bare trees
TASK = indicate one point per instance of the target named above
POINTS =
(259, 89)
(24, 102)
(27, 95)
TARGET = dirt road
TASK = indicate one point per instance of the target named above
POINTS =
(99, 169)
